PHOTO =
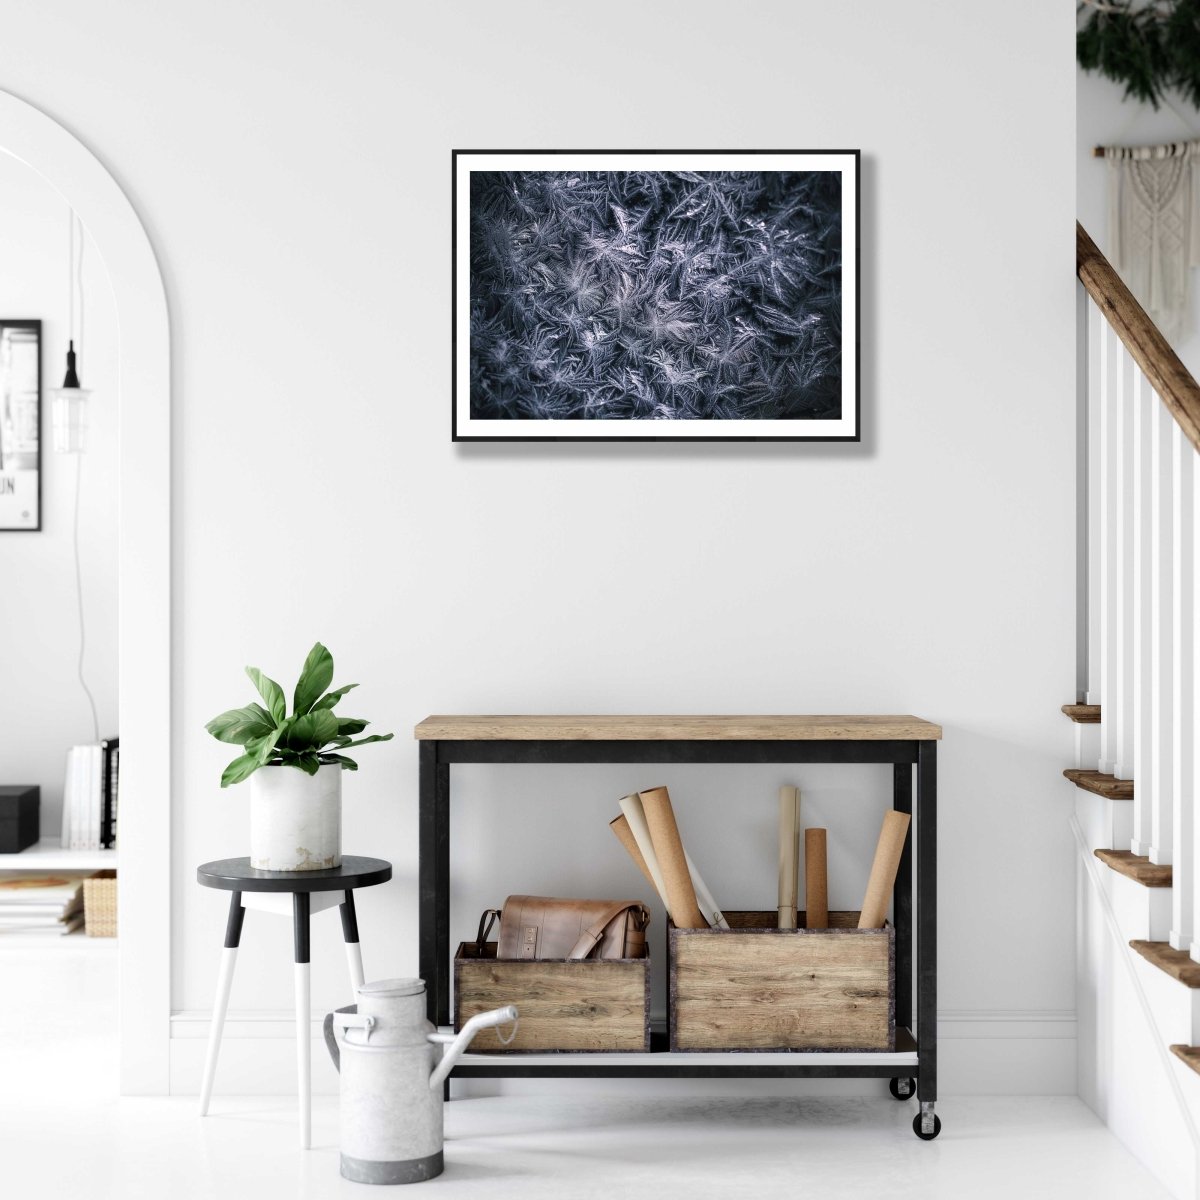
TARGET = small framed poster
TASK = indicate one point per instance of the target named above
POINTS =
(20, 425)
(649, 295)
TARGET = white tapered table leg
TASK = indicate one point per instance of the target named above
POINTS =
(233, 933)
(300, 910)
(303, 1053)
(354, 960)
(353, 946)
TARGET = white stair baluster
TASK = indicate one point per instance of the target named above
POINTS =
(1125, 412)
(1162, 638)
(1109, 425)
(1192, 676)
(1183, 725)
(1145, 403)
(1095, 345)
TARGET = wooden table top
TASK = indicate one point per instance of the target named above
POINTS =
(856, 728)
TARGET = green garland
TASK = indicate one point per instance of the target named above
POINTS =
(1150, 48)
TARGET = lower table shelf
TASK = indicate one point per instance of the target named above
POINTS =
(663, 1063)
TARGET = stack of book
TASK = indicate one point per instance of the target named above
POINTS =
(41, 902)
(90, 793)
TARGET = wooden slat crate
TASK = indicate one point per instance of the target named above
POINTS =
(593, 1005)
(100, 904)
(756, 987)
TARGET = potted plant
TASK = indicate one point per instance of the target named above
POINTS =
(294, 764)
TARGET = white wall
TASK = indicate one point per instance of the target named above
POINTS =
(291, 162)
(43, 710)
(1104, 118)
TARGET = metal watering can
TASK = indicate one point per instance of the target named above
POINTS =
(388, 1057)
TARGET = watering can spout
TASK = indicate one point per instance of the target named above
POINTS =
(454, 1051)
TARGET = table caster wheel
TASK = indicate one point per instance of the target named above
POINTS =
(927, 1137)
(902, 1089)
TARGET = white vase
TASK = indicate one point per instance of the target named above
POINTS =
(296, 819)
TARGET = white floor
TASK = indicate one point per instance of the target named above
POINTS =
(526, 1148)
(64, 1136)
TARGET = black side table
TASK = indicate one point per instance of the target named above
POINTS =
(311, 891)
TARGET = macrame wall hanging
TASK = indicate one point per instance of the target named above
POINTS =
(1154, 225)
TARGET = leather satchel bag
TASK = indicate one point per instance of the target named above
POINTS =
(543, 927)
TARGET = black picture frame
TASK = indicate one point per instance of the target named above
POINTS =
(21, 423)
(497, 407)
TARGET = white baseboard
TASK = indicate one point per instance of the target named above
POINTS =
(1017, 1052)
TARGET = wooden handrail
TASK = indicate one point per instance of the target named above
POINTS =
(1146, 345)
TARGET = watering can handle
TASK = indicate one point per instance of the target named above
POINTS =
(331, 1042)
(343, 1017)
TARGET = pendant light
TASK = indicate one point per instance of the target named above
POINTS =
(70, 402)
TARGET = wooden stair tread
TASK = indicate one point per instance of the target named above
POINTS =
(1189, 1055)
(1176, 963)
(1136, 867)
(1083, 714)
(1108, 786)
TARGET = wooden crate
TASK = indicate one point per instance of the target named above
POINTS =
(100, 904)
(756, 987)
(593, 1005)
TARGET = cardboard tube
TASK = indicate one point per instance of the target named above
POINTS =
(635, 819)
(620, 826)
(668, 847)
(816, 880)
(789, 854)
(704, 898)
(624, 829)
(883, 870)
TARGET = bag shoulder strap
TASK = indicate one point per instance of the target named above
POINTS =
(595, 931)
(485, 927)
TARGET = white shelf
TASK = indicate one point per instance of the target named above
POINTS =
(797, 1058)
(48, 855)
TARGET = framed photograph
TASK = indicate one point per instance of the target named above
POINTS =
(20, 425)
(653, 295)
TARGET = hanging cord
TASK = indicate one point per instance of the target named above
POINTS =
(87, 691)
(74, 275)
(79, 281)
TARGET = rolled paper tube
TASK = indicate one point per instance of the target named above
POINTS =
(816, 880)
(672, 862)
(620, 826)
(704, 898)
(883, 870)
(632, 824)
(635, 818)
(789, 853)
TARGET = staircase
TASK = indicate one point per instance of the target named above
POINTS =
(1135, 720)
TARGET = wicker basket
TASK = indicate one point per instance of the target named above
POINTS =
(100, 904)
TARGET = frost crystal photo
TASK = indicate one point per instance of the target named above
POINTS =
(647, 295)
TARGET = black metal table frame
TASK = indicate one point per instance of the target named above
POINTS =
(436, 758)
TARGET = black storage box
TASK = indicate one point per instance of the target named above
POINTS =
(19, 816)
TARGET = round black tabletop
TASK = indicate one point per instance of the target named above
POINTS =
(237, 875)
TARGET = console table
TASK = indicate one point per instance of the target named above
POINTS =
(901, 742)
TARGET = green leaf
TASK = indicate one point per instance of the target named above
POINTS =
(315, 677)
(309, 763)
(351, 725)
(331, 698)
(348, 764)
(271, 692)
(241, 725)
(263, 748)
(241, 768)
(310, 731)
(375, 737)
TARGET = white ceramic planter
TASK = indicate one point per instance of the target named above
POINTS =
(296, 819)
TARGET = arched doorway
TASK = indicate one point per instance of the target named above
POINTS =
(143, 573)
